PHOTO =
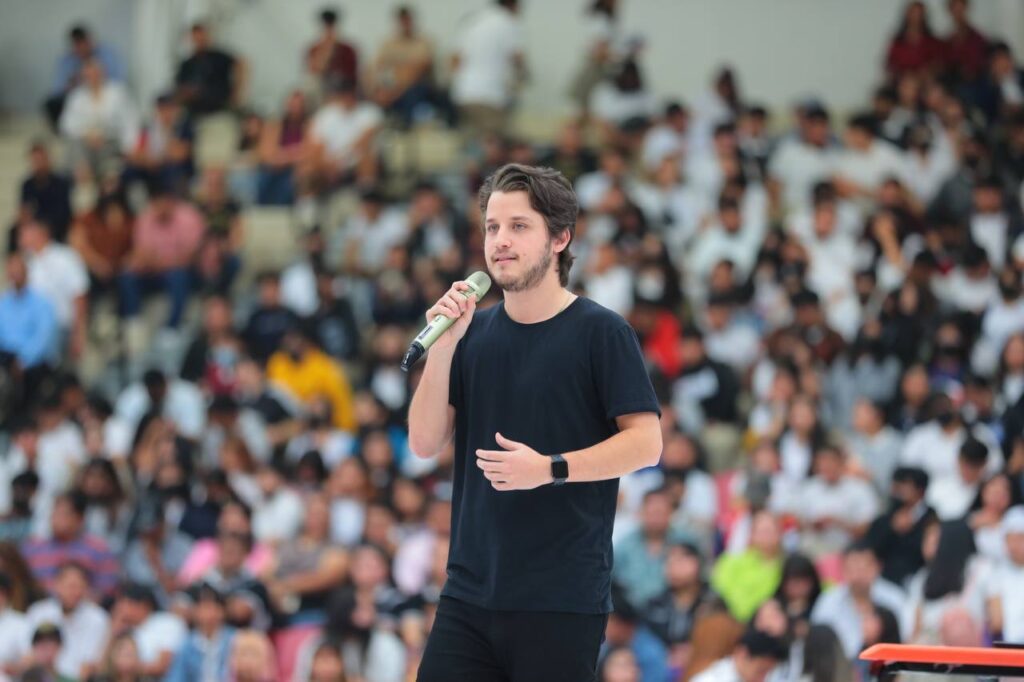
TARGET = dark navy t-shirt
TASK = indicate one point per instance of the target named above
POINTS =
(556, 386)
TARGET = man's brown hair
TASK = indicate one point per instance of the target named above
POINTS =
(551, 195)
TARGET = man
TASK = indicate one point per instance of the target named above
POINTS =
(164, 151)
(69, 68)
(536, 461)
(211, 80)
(57, 272)
(330, 57)
(342, 137)
(896, 536)
(83, 624)
(843, 607)
(488, 64)
(157, 635)
(206, 653)
(70, 543)
(402, 78)
(28, 324)
(166, 240)
(753, 660)
(46, 194)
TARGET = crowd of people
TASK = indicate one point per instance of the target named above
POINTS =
(830, 305)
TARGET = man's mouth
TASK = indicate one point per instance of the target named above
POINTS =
(502, 259)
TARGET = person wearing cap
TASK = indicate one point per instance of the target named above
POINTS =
(1003, 594)
(83, 624)
(15, 631)
(309, 374)
(158, 635)
(753, 659)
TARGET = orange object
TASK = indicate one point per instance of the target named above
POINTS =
(946, 660)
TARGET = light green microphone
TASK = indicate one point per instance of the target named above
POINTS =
(479, 283)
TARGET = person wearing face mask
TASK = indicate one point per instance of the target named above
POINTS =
(935, 446)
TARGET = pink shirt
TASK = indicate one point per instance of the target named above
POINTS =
(173, 243)
(204, 556)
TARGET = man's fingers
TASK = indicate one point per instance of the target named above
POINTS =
(507, 443)
(492, 455)
(490, 467)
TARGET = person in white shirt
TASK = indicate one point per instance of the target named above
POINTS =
(179, 401)
(157, 634)
(369, 235)
(843, 607)
(728, 340)
(1004, 596)
(799, 163)
(342, 138)
(753, 660)
(58, 273)
(990, 222)
(835, 508)
(83, 624)
(735, 236)
(874, 445)
(278, 515)
(15, 630)
(952, 496)
(866, 162)
(667, 140)
(99, 122)
(935, 445)
(488, 66)
(609, 282)
(622, 103)
(928, 163)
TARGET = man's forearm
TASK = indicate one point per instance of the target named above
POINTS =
(429, 428)
(625, 452)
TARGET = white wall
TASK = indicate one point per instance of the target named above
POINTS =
(782, 49)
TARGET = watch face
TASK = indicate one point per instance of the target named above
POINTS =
(560, 469)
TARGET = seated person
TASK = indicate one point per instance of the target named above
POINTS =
(82, 47)
(280, 152)
(341, 144)
(46, 193)
(99, 124)
(218, 258)
(330, 57)
(103, 238)
(165, 242)
(163, 152)
(211, 80)
(401, 78)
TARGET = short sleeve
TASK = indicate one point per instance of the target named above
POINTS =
(622, 382)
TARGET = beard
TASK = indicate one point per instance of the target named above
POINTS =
(529, 279)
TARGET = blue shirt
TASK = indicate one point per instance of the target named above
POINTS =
(202, 660)
(28, 326)
(70, 64)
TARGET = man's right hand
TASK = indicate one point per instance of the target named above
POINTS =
(455, 306)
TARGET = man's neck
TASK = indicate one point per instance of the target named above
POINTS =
(540, 303)
(686, 594)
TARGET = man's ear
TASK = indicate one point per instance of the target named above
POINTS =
(561, 242)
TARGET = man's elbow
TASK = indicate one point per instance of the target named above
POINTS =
(422, 447)
(652, 448)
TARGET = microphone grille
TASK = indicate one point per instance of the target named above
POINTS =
(480, 282)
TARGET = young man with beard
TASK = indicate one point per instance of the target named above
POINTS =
(549, 403)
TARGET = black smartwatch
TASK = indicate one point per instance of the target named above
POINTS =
(559, 470)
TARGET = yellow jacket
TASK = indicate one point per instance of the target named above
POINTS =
(316, 375)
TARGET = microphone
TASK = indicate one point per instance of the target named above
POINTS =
(478, 283)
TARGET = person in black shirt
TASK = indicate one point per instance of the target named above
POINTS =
(46, 194)
(896, 536)
(210, 80)
(549, 402)
(270, 320)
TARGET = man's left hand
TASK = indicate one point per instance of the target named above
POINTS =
(515, 467)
